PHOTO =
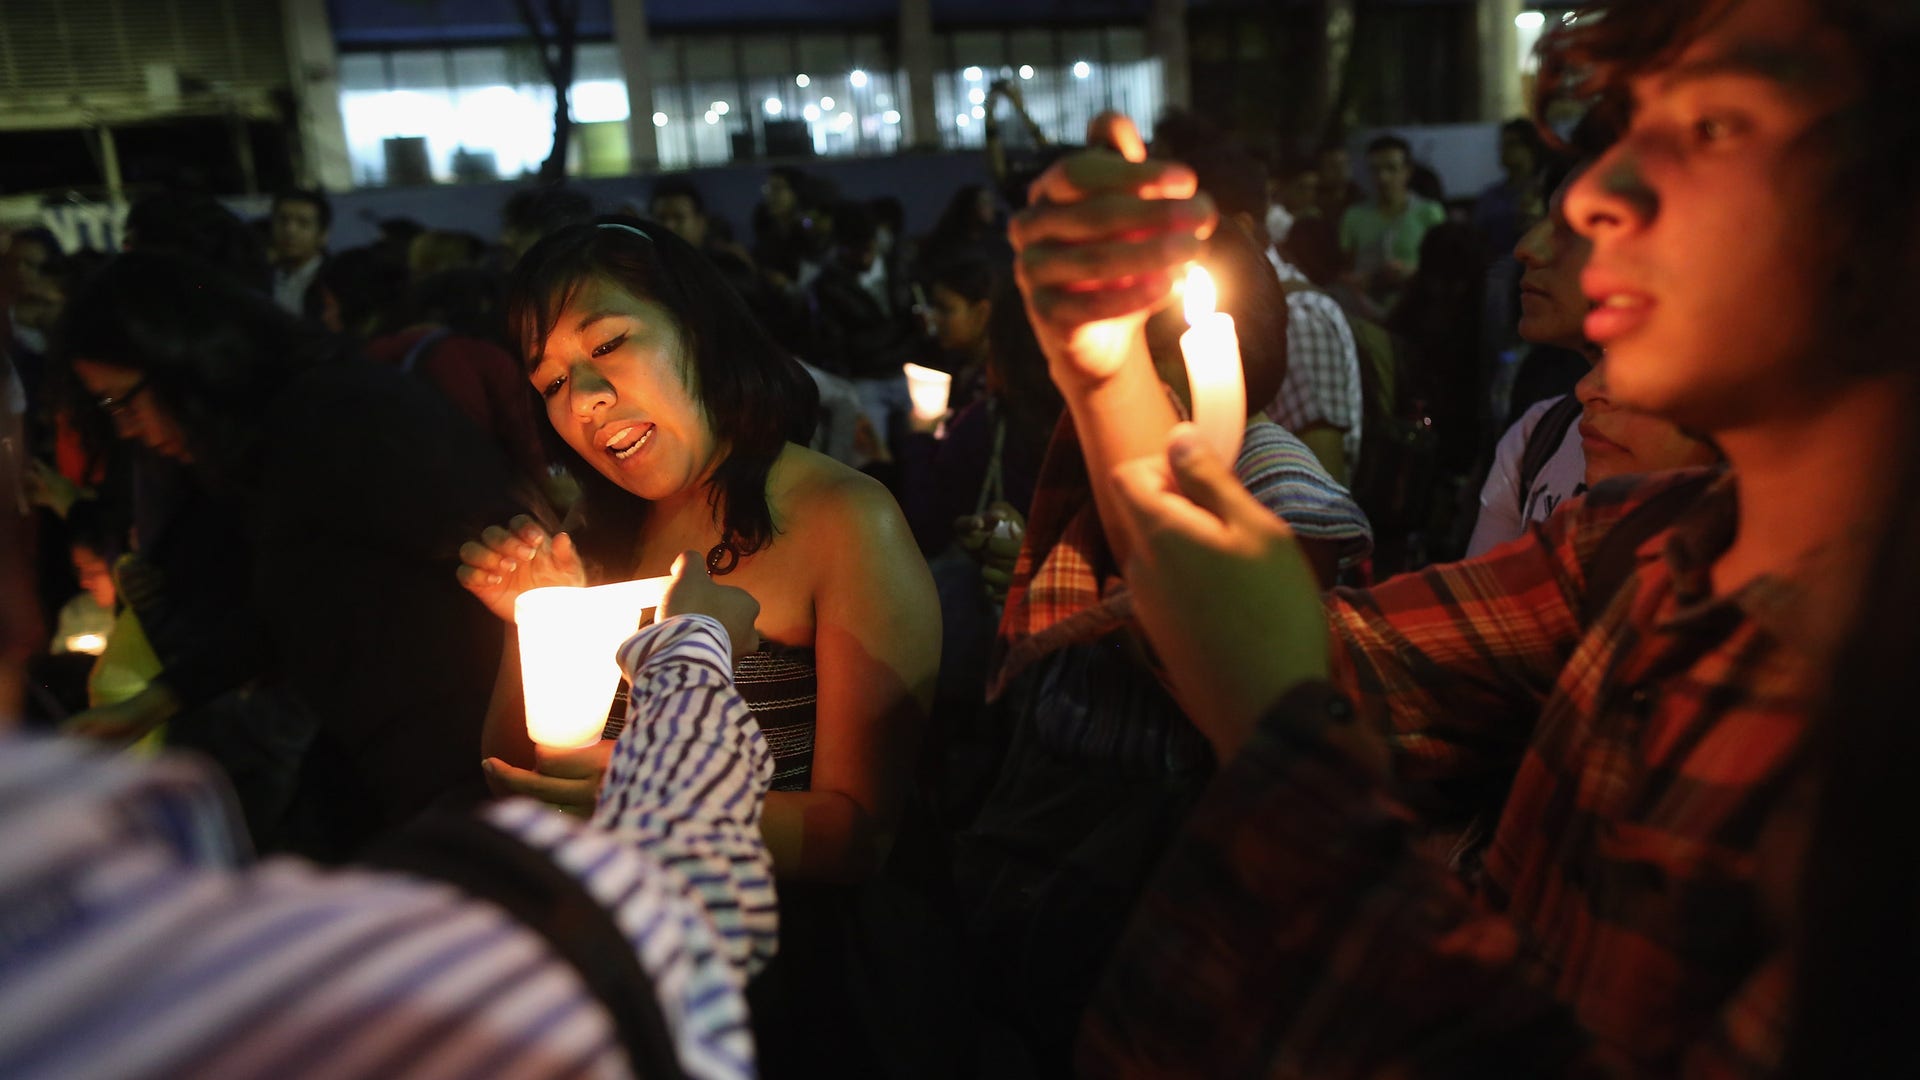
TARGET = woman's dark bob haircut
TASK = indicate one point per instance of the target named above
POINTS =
(757, 397)
(213, 353)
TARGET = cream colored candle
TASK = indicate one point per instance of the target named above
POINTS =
(568, 638)
(929, 390)
(1215, 383)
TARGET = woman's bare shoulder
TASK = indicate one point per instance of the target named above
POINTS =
(810, 490)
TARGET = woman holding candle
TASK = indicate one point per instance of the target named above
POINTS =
(684, 423)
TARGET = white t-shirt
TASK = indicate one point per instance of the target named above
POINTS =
(1506, 511)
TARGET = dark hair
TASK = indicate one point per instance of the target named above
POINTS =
(200, 228)
(466, 300)
(853, 225)
(1289, 167)
(312, 197)
(970, 277)
(1250, 291)
(1233, 179)
(889, 212)
(755, 395)
(1528, 133)
(368, 285)
(1028, 398)
(546, 209)
(676, 187)
(1390, 142)
(212, 353)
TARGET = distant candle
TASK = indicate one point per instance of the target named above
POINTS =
(91, 644)
(568, 671)
(929, 390)
(1215, 383)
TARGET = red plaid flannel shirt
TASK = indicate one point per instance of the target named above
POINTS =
(1620, 925)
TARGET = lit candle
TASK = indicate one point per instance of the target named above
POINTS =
(929, 390)
(568, 638)
(91, 644)
(1215, 383)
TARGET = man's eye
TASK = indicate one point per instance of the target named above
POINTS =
(1714, 130)
(609, 346)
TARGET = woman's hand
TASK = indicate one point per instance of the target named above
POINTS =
(993, 539)
(1221, 587)
(694, 592)
(1098, 250)
(505, 562)
(566, 779)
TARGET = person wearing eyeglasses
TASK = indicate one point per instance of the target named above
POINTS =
(298, 513)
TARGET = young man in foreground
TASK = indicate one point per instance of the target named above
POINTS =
(1636, 909)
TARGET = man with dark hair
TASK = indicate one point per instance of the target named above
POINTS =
(533, 213)
(1636, 678)
(859, 332)
(676, 203)
(300, 222)
(1380, 239)
(1338, 192)
(1508, 206)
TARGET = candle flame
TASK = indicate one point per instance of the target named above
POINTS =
(1201, 297)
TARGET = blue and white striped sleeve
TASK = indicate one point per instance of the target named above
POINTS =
(136, 943)
(685, 786)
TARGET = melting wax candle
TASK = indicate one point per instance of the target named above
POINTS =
(1215, 381)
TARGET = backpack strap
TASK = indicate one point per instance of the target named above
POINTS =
(1544, 441)
(489, 864)
(1616, 558)
(422, 348)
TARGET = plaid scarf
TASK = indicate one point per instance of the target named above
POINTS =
(1065, 588)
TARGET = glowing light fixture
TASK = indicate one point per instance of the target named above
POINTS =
(1082, 69)
(1530, 20)
(659, 119)
(773, 106)
(801, 80)
(976, 95)
(857, 78)
(811, 112)
(1026, 71)
(891, 116)
(972, 74)
(721, 107)
(826, 104)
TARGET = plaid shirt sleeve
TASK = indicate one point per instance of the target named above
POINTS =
(1292, 931)
(1455, 661)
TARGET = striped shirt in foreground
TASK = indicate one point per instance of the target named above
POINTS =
(135, 939)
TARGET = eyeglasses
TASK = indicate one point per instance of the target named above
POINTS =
(117, 405)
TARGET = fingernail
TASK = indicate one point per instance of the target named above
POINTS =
(528, 551)
(486, 766)
(510, 565)
(493, 579)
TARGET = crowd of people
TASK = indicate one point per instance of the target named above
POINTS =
(1525, 697)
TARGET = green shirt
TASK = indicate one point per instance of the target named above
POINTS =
(1369, 237)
